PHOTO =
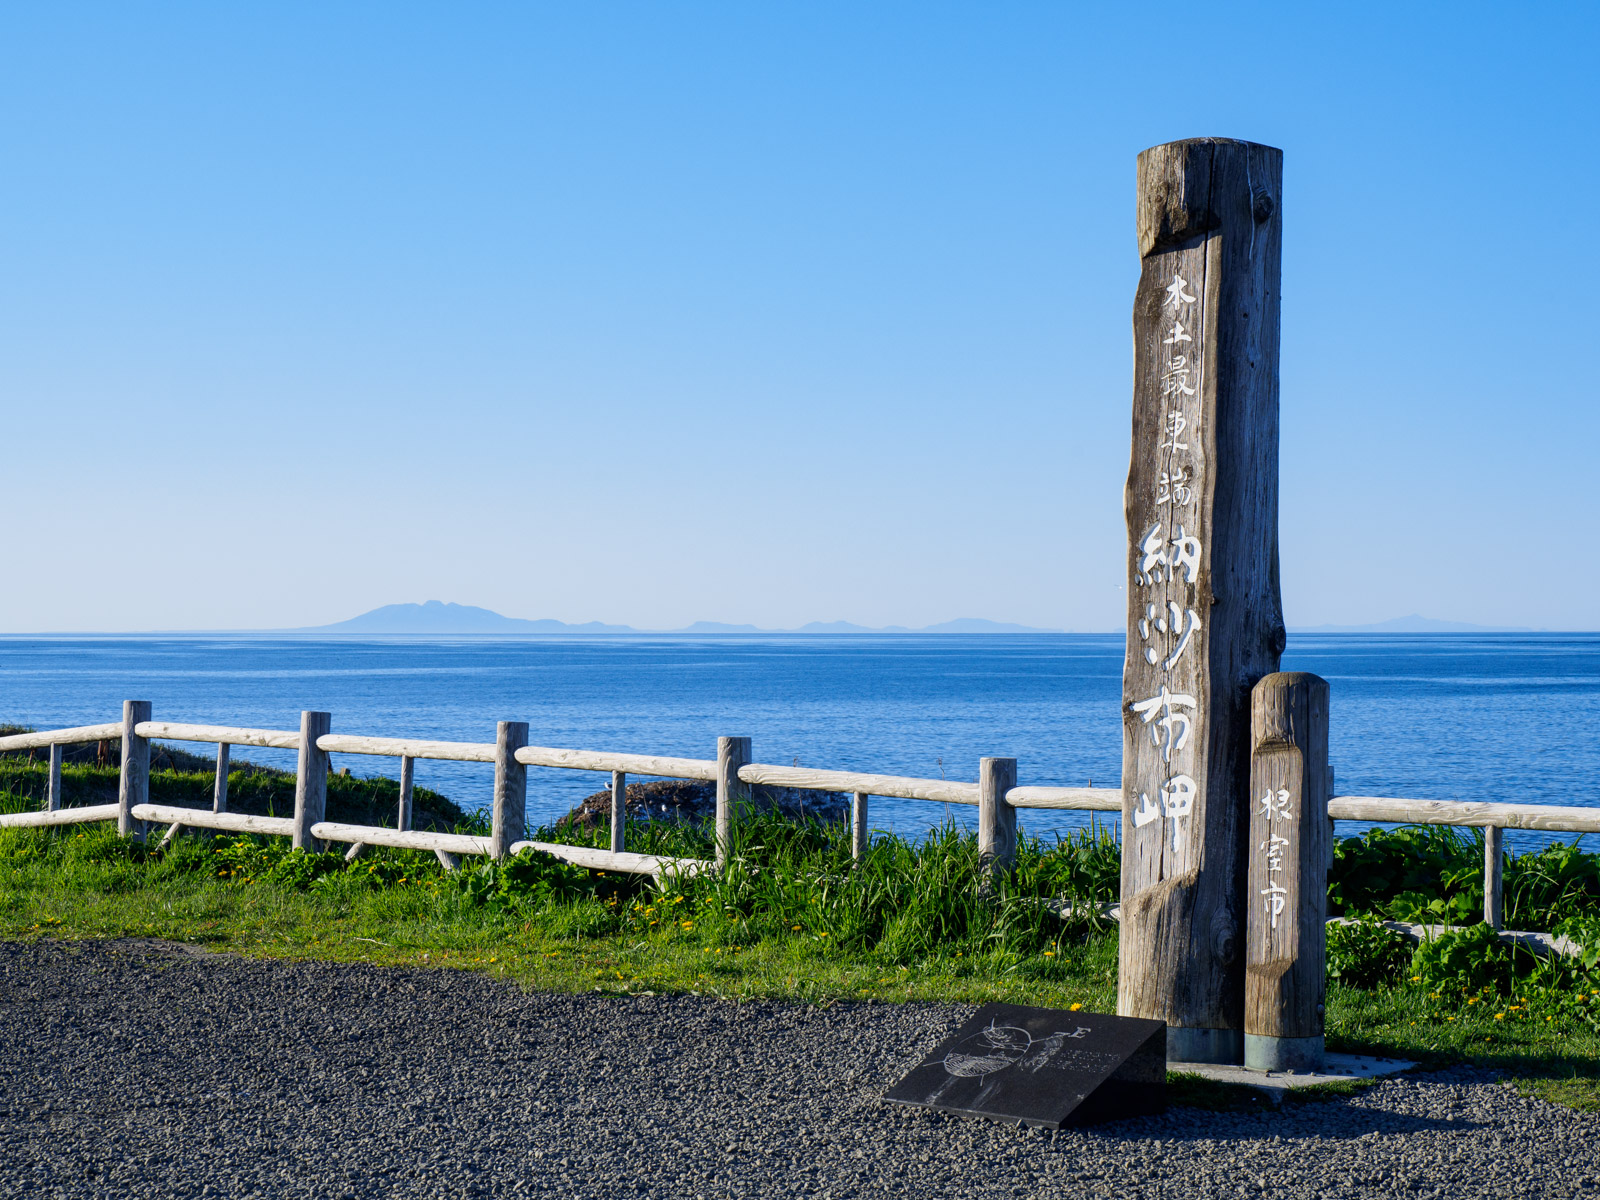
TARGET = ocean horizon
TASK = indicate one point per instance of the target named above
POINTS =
(1445, 716)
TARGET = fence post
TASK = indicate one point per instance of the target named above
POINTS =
(997, 820)
(407, 776)
(1204, 616)
(619, 809)
(510, 787)
(1493, 883)
(133, 783)
(1287, 896)
(311, 778)
(52, 795)
(858, 825)
(732, 753)
(219, 790)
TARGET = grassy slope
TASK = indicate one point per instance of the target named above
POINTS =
(400, 909)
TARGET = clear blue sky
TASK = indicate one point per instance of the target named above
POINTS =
(766, 312)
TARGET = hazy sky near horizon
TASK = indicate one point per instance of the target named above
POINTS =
(773, 313)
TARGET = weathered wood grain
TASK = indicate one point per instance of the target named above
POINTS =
(52, 791)
(605, 760)
(219, 787)
(901, 786)
(610, 860)
(75, 736)
(1493, 876)
(133, 781)
(61, 816)
(1083, 799)
(1287, 898)
(405, 839)
(345, 743)
(619, 809)
(171, 731)
(510, 787)
(733, 754)
(859, 833)
(1204, 617)
(199, 818)
(311, 778)
(1554, 818)
(407, 780)
(997, 820)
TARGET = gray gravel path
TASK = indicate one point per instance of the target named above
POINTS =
(139, 1070)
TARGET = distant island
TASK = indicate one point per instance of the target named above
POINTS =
(437, 618)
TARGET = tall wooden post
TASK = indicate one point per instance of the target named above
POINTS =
(133, 783)
(1287, 896)
(1204, 617)
(732, 753)
(859, 832)
(311, 778)
(997, 820)
(510, 787)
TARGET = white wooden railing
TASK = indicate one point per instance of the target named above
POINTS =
(995, 794)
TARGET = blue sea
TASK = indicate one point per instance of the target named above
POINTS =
(1511, 718)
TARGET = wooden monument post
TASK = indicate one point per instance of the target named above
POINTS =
(1204, 617)
(1287, 895)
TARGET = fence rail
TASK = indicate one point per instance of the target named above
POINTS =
(727, 770)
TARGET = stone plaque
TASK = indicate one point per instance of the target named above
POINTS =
(1044, 1067)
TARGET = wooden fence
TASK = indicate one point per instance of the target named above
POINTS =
(996, 795)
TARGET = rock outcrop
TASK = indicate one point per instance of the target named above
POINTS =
(682, 800)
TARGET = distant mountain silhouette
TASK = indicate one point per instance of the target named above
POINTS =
(445, 620)
(435, 617)
(847, 627)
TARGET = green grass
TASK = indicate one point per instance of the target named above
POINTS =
(793, 918)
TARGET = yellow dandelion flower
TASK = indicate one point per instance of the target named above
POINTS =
(1074, 1007)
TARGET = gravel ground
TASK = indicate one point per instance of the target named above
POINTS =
(141, 1070)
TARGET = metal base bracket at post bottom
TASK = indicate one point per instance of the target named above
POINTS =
(1205, 1045)
(1263, 1053)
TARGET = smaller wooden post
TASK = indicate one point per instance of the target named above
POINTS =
(219, 791)
(619, 809)
(997, 820)
(1287, 898)
(1493, 883)
(133, 784)
(858, 826)
(407, 775)
(52, 795)
(311, 778)
(510, 787)
(732, 753)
